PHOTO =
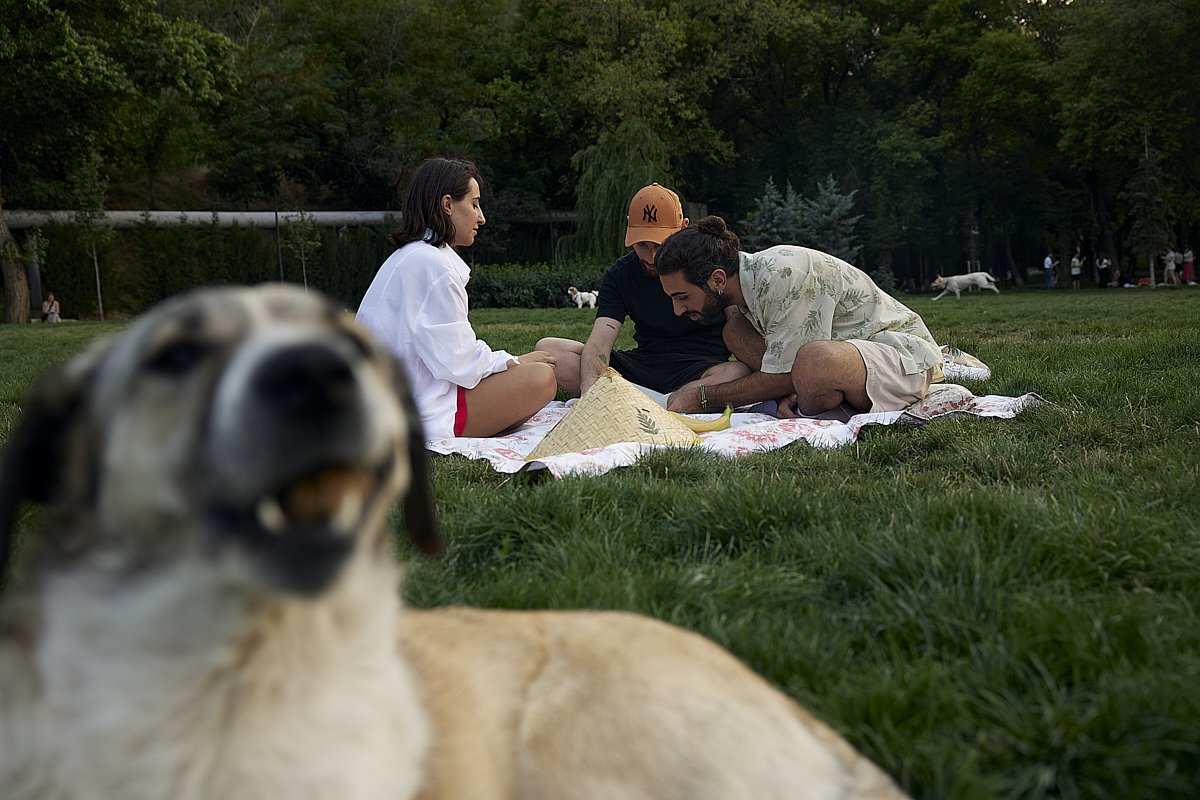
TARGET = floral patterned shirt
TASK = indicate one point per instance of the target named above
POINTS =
(795, 295)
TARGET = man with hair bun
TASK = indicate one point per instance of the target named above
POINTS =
(821, 337)
(671, 352)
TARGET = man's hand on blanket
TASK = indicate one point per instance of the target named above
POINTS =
(789, 406)
(685, 400)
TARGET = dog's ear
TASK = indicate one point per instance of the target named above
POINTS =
(34, 459)
(420, 516)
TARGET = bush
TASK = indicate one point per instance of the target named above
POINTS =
(142, 265)
(530, 285)
(884, 278)
(145, 264)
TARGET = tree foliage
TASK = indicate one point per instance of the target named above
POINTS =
(112, 80)
(775, 218)
(634, 156)
(1024, 120)
(302, 241)
(826, 221)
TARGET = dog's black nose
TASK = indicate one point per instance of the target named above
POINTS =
(305, 380)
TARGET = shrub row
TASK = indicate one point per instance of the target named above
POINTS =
(140, 266)
(531, 285)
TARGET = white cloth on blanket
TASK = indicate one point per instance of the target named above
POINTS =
(748, 433)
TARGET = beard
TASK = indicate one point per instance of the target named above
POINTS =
(713, 309)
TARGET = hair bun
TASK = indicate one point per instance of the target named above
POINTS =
(713, 226)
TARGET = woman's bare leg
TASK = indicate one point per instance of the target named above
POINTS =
(506, 399)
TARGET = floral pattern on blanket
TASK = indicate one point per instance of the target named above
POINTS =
(748, 433)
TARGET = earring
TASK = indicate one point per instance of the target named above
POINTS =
(720, 292)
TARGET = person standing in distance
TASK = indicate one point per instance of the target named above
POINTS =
(417, 306)
(671, 351)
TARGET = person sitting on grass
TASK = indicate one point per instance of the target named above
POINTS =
(820, 335)
(417, 306)
(51, 311)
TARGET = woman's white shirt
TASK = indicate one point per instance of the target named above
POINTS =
(417, 306)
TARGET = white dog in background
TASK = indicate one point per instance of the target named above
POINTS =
(209, 608)
(583, 298)
(956, 283)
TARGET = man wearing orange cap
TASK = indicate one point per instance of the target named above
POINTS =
(672, 351)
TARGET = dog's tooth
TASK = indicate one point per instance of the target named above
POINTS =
(349, 511)
(271, 516)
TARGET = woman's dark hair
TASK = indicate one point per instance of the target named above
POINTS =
(698, 250)
(422, 207)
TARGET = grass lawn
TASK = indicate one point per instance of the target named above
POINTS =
(989, 609)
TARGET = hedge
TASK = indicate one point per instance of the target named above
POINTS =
(145, 264)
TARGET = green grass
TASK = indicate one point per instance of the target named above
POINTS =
(988, 608)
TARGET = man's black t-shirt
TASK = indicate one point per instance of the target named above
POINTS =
(626, 290)
(671, 350)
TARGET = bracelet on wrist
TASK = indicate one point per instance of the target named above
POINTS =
(703, 398)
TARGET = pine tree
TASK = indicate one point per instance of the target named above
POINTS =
(827, 221)
(775, 218)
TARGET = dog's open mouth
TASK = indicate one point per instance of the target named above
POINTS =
(302, 532)
(333, 497)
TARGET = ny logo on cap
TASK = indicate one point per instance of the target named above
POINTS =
(650, 213)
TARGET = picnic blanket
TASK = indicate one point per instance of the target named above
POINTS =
(748, 433)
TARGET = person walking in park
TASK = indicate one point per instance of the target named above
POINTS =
(819, 333)
(1189, 267)
(417, 306)
(1048, 266)
(670, 351)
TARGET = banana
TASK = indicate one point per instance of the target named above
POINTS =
(706, 425)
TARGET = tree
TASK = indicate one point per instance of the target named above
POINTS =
(617, 165)
(1149, 230)
(1110, 89)
(828, 221)
(302, 240)
(89, 188)
(16, 284)
(776, 218)
(580, 73)
(72, 73)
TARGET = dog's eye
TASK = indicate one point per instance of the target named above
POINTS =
(177, 358)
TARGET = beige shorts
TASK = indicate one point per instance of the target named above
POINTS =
(887, 386)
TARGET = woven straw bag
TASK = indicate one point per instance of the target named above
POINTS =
(612, 411)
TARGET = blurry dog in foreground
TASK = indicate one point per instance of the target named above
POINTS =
(209, 606)
(583, 298)
(956, 283)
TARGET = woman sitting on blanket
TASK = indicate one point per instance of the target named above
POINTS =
(417, 306)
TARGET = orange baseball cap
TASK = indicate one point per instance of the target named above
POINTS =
(654, 214)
